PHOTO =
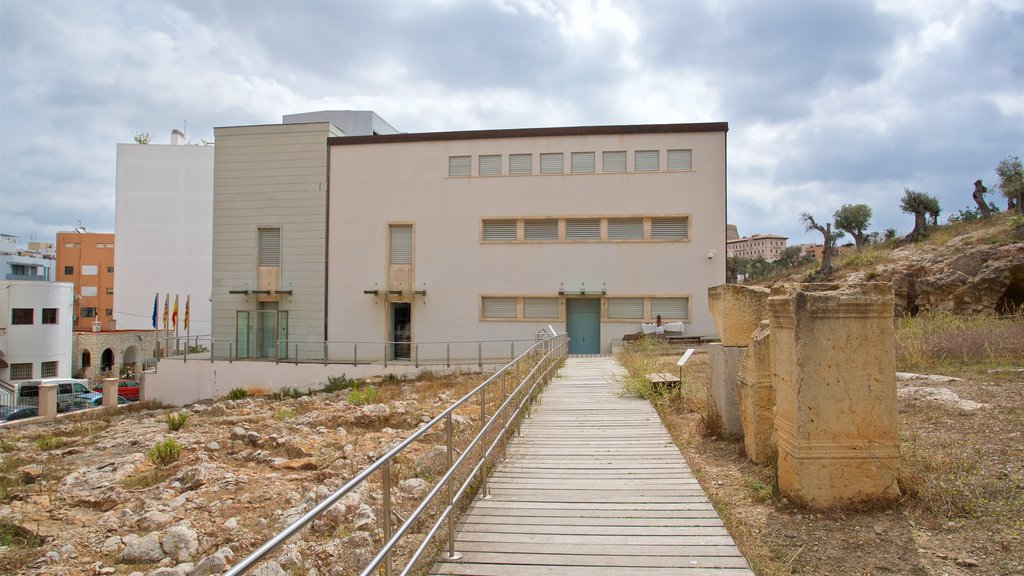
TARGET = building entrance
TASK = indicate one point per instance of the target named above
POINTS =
(583, 322)
(400, 330)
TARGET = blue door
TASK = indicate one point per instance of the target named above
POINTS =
(583, 322)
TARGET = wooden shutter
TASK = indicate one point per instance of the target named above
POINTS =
(540, 230)
(669, 228)
(500, 230)
(680, 160)
(540, 308)
(625, 228)
(583, 229)
(646, 160)
(520, 163)
(551, 163)
(670, 308)
(490, 165)
(614, 161)
(499, 307)
(582, 162)
(625, 308)
(460, 165)
(401, 245)
(269, 240)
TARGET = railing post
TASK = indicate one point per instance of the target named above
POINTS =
(416, 355)
(277, 351)
(385, 354)
(387, 513)
(296, 352)
(355, 353)
(484, 491)
(186, 351)
(452, 554)
(480, 355)
(512, 351)
(448, 355)
(325, 352)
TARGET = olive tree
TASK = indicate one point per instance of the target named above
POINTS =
(921, 205)
(854, 220)
(1011, 182)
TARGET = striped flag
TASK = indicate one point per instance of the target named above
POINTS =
(188, 298)
(156, 304)
(174, 314)
(167, 304)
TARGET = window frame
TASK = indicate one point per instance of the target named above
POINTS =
(54, 367)
(480, 165)
(55, 319)
(456, 161)
(23, 316)
(14, 367)
(551, 156)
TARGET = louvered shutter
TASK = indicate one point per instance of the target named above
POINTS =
(269, 249)
(551, 163)
(588, 229)
(625, 229)
(614, 161)
(670, 308)
(645, 161)
(499, 307)
(540, 230)
(582, 162)
(460, 165)
(490, 165)
(500, 230)
(540, 307)
(625, 308)
(669, 228)
(401, 244)
(520, 163)
(680, 159)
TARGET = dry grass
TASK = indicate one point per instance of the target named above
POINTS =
(941, 341)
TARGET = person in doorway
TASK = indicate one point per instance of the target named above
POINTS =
(659, 327)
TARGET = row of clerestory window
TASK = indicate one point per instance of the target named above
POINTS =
(612, 162)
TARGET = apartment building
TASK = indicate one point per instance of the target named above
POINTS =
(33, 261)
(767, 246)
(86, 260)
(35, 330)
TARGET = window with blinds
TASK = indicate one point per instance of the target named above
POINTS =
(583, 229)
(540, 230)
(520, 163)
(625, 228)
(669, 228)
(401, 244)
(540, 308)
(613, 161)
(494, 307)
(582, 162)
(500, 230)
(625, 308)
(680, 160)
(269, 246)
(551, 163)
(646, 161)
(460, 165)
(490, 165)
(670, 308)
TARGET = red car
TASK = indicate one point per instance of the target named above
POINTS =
(127, 389)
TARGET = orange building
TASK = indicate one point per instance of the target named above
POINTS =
(86, 259)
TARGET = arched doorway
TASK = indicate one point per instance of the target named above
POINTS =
(86, 359)
(128, 362)
(107, 360)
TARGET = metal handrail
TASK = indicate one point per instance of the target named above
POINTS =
(554, 351)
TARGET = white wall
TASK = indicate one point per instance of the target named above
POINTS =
(164, 230)
(38, 342)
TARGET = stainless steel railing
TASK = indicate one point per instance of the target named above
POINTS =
(468, 467)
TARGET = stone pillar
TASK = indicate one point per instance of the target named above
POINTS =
(833, 364)
(109, 392)
(725, 367)
(756, 394)
(48, 401)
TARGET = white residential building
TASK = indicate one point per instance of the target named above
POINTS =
(35, 330)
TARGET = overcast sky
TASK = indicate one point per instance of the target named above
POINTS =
(828, 102)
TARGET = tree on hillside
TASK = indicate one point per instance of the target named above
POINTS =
(921, 205)
(790, 256)
(854, 220)
(1011, 182)
(828, 245)
(979, 198)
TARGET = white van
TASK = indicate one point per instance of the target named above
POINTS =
(28, 391)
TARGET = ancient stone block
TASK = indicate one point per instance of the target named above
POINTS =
(737, 310)
(725, 367)
(756, 396)
(833, 365)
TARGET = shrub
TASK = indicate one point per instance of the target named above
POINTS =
(283, 414)
(338, 383)
(359, 396)
(164, 452)
(175, 420)
(237, 393)
(49, 442)
(286, 393)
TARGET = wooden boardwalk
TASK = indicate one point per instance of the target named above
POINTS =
(594, 486)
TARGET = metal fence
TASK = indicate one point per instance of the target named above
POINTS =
(501, 402)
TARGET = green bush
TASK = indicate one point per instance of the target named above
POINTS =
(175, 420)
(49, 442)
(237, 393)
(283, 414)
(164, 452)
(286, 393)
(338, 383)
(359, 396)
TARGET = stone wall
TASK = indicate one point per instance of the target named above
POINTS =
(143, 343)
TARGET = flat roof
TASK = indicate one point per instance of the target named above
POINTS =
(531, 133)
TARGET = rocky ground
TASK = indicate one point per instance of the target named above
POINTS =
(82, 497)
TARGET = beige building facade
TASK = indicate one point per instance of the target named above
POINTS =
(767, 246)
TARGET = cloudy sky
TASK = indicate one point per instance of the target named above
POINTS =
(828, 102)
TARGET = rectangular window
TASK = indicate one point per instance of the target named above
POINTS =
(551, 163)
(88, 290)
(268, 242)
(520, 163)
(499, 307)
(21, 371)
(540, 230)
(49, 315)
(23, 316)
(88, 312)
(110, 245)
(69, 245)
(670, 308)
(646, 161)
(69, 270)
(625, 228)
(490, 165)
(500, 230)
(680, 160)
(48, 369)
(582, 162)
(613, 161)
(540, 308)
(110, 291)
(109, 311)
(625, 308)
(89, 270)
(99, 245)
(400, 244)
(110, 269)
(583, 229)
(460, 165)
(669, 228)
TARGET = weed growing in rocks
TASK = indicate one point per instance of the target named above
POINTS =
(360, 396)
(48, 442)
(237, 393)
(164, 452)
(283, 414)
(339, 383)
(945, 340)
(176, 420)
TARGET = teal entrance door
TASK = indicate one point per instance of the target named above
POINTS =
(583, 322)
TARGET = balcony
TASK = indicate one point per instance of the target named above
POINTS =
(14, 276)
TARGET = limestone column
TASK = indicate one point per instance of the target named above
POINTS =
(737, 310)
(833, 365)
(756, 396)
(109, 392)
(48, 401)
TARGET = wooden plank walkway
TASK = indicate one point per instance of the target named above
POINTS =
(594, 486)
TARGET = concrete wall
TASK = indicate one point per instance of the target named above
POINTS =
(38, 342)
(164, 226)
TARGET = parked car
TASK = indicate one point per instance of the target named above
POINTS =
(9, 413)
(90, 400)
(28, 392)
(127, 388)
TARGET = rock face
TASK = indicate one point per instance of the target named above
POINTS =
(737, 310)
(756, 395)
(833, 363)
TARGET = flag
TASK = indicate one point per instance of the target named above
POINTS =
(156, 304)
(188, 298)
(174, 314)
(167, 302)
